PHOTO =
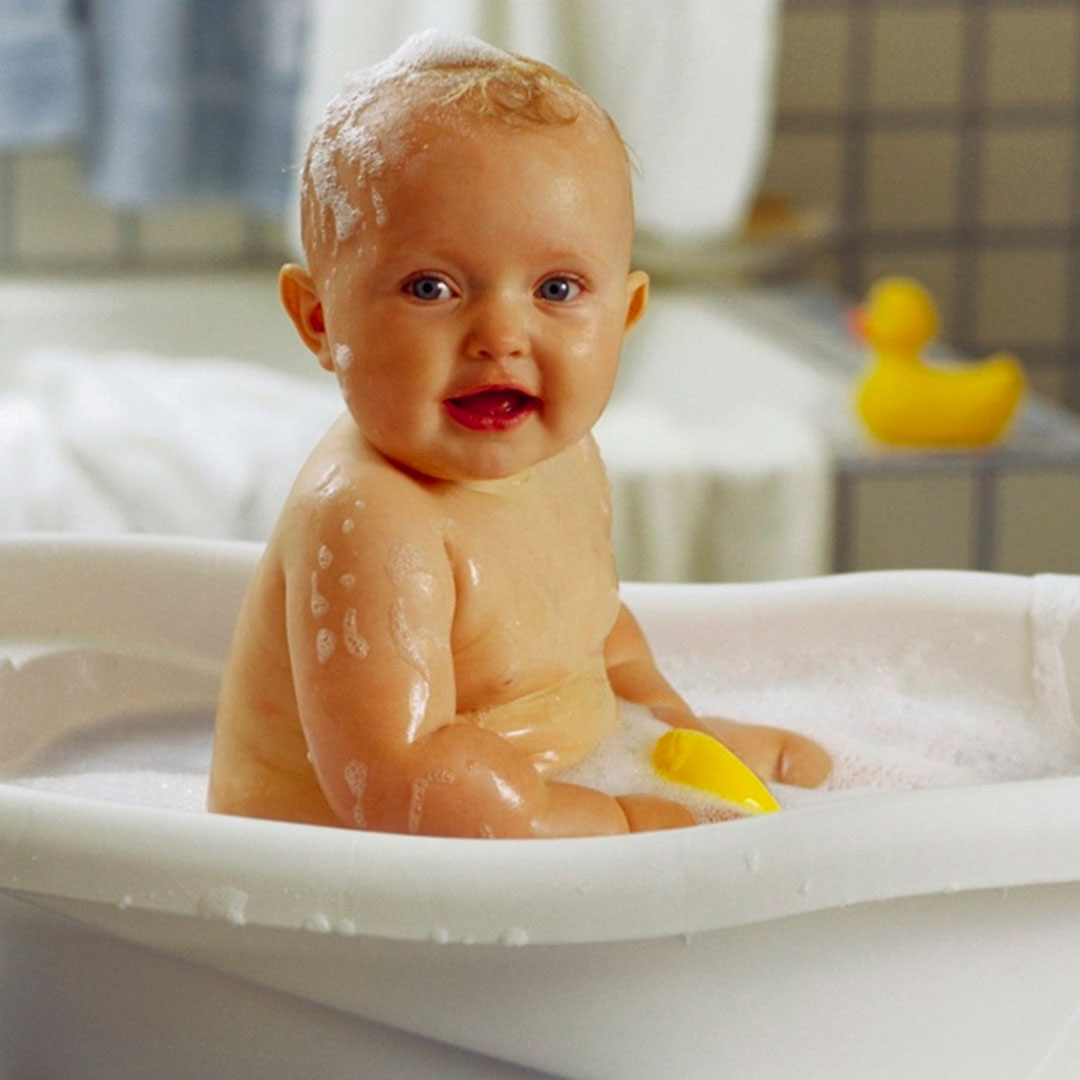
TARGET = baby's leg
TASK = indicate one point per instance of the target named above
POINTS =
(774, 754)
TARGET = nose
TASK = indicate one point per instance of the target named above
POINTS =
(498, 329)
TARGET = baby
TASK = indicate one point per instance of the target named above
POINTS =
(434, 633)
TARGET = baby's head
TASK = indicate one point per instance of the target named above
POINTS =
(468, 223)
(385, 115)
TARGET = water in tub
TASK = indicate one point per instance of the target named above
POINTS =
(894, 723)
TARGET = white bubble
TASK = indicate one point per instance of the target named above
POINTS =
(343, 357)
(319, 604)
(355, 644)
(224, 903)
(325, 643)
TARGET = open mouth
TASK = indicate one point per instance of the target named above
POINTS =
(492, 408)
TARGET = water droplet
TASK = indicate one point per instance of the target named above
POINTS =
(224, 903)
(325, 642)
(343, 357)
(515, 936)
(753, 860)
(318, 923)
(440, 935)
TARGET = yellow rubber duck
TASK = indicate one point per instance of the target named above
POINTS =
(905, 402)
(697, 760)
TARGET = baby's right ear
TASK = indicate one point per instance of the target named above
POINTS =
(297, 290)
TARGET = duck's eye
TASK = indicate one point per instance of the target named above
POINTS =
(428, 288)
(558, 289)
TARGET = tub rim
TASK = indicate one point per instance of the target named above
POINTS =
(59, 849)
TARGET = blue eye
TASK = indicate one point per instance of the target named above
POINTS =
(428, 288)
(558, 289)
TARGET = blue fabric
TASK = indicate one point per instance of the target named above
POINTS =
(180, 98)
(42, 72)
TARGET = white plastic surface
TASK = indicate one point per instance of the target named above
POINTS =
(914, 933)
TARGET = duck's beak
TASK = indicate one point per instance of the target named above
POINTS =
(857, 319)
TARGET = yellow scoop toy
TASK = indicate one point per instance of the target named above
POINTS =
(699, 761)
(906, 402)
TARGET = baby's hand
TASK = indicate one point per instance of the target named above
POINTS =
(647, 813)
(773, 753)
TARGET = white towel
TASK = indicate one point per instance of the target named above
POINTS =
(128, 442)
(745, 497)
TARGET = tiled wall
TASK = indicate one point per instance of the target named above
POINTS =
(49, 222)
(941, 138)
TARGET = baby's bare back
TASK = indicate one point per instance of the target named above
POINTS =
(387, 607)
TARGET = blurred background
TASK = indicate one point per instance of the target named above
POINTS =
(933, 138)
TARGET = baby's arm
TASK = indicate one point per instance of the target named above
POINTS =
(370, 619)
(772, 753)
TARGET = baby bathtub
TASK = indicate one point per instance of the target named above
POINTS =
(903, 934)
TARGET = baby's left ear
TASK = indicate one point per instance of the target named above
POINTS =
(300, 300)
(637, 296)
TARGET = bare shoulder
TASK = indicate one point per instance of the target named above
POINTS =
(352, 514)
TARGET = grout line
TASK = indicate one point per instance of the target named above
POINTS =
(1071, 356)
(927, 118)
(7, 211)
(856, 158)
(969, 186)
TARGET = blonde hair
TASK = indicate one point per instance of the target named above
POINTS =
(432, 76)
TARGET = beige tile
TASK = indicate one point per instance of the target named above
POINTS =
(1039, 522)
(808, 168)
(1049, 381)
(55, 217)
(917, 58)
(813, 61)
(274, 240)
(912, 522)
(1032, 54)
(911, 179)
(1027, 177)
(1022, 297)
(206, 231)
(822, 269)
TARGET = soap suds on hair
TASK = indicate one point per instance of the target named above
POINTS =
(342, 136)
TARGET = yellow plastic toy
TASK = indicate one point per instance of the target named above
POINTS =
(699, 761)
(904, 401)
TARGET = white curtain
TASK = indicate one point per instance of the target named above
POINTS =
(688, 81)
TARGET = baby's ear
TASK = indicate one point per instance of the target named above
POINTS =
(637, 296)
(297, 290)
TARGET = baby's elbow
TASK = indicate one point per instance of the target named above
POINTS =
(459, 781)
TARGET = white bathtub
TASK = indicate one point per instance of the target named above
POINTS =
(905, 934)
(719, 469)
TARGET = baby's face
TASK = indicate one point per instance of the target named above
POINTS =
(475, 326)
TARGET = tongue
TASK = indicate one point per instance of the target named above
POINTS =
(493, 402)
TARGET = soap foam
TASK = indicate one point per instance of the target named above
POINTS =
(890, 721)
(893, 722)
(622, 765)
(343, 136)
